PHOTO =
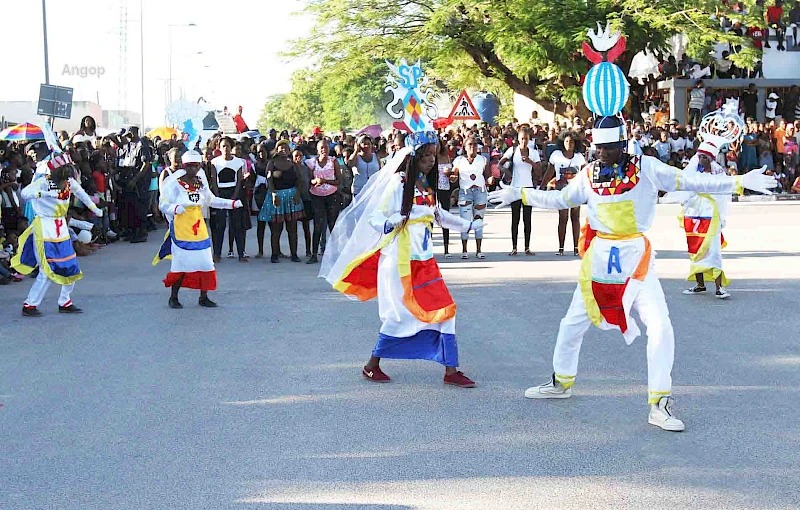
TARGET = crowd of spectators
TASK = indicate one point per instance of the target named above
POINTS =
(292, 182)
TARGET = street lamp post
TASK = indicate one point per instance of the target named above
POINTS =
(169, 37)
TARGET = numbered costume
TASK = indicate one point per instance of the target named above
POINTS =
(703, 215)
(370, 254)
(617, 274)
(187, 242)
(46, 243)
(703, 218)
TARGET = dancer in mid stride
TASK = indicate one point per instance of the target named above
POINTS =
(183, 195)
(46, 243)
(382, 247)
(617, 273)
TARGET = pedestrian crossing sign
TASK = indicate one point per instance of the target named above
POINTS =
(463, 109)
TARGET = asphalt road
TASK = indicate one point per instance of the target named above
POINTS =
(259, 403)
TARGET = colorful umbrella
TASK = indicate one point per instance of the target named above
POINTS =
(163, 132)
(22, 133)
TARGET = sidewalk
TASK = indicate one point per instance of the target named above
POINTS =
(783, 197)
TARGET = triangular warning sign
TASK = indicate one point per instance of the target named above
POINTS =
(464, 109)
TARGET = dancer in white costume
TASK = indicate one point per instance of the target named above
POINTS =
(617, 274)
(187, 243)
(703, 215)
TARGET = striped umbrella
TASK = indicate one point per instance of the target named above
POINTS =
(22, 133)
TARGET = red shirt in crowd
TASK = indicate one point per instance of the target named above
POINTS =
(241, 125)
(757, 34)
(774, 14)
(99, 181)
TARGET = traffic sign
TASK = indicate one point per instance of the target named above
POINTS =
(464, 109)
(55, 101)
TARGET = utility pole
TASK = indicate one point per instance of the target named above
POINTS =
(44, 31)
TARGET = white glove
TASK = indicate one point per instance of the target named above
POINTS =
(476, 224)
(179, 209)
(97, 211)
(756, 180)
(394, 221)
(238, 204)
(504, 196)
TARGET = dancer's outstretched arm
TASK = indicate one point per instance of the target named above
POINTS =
(669, 178)
(573, 195)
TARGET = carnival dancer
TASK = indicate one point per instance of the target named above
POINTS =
(617, 273)
(703, 218)
(382, 247)
(183, 195)
(46, 243)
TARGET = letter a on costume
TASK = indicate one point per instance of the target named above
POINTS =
(613, 260)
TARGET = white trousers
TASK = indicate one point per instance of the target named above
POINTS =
(39, 289)
(652, 309)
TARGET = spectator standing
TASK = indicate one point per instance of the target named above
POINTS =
(773, 107)
(133, 179)
(229, 182)
(443, 190)
(238, 121)
(304, 188)
(365, 162)
(283, 204)
(749, 155)
(749, 101)
(472, 170)
(565, 163)
(346, 187)
(697, 98)
(324, 176)
(662, 146)
(522, 161)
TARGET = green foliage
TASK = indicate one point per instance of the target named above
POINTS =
(526, 46)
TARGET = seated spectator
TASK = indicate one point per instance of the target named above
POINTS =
(724, 66)
(774, 18)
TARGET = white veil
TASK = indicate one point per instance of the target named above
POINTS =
(353, 234)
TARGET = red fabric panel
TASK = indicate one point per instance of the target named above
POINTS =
(701, 224)
(366, 274)
(609, 299)
(432, 293)
(198, 280)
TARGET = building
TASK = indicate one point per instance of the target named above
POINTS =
(17, 112)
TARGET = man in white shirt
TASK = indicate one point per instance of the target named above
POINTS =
(662, 146)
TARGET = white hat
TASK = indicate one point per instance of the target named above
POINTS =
(709, 149)
(773, 96)
(85, 237)
(191, 157)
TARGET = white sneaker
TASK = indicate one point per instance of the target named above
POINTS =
(231, 255)
(694, 290)
(464, 256)
(111, 234)
(722, 293)
(550, 389)
(661, 415)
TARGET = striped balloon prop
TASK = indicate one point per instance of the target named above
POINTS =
(605, 89)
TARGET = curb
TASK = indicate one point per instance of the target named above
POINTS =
(783, 197)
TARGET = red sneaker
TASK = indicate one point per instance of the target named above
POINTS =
(375, 375)
(459, 379)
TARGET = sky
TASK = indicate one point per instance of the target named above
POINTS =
(231, 57)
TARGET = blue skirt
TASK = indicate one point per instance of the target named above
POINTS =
(287, 209)
(428, 344)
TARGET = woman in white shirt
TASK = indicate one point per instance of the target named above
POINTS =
(471, 172)
(523, 160)
(229, 179)
(565, 163)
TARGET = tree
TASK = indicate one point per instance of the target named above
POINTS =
(330, 96)
(530, 46)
